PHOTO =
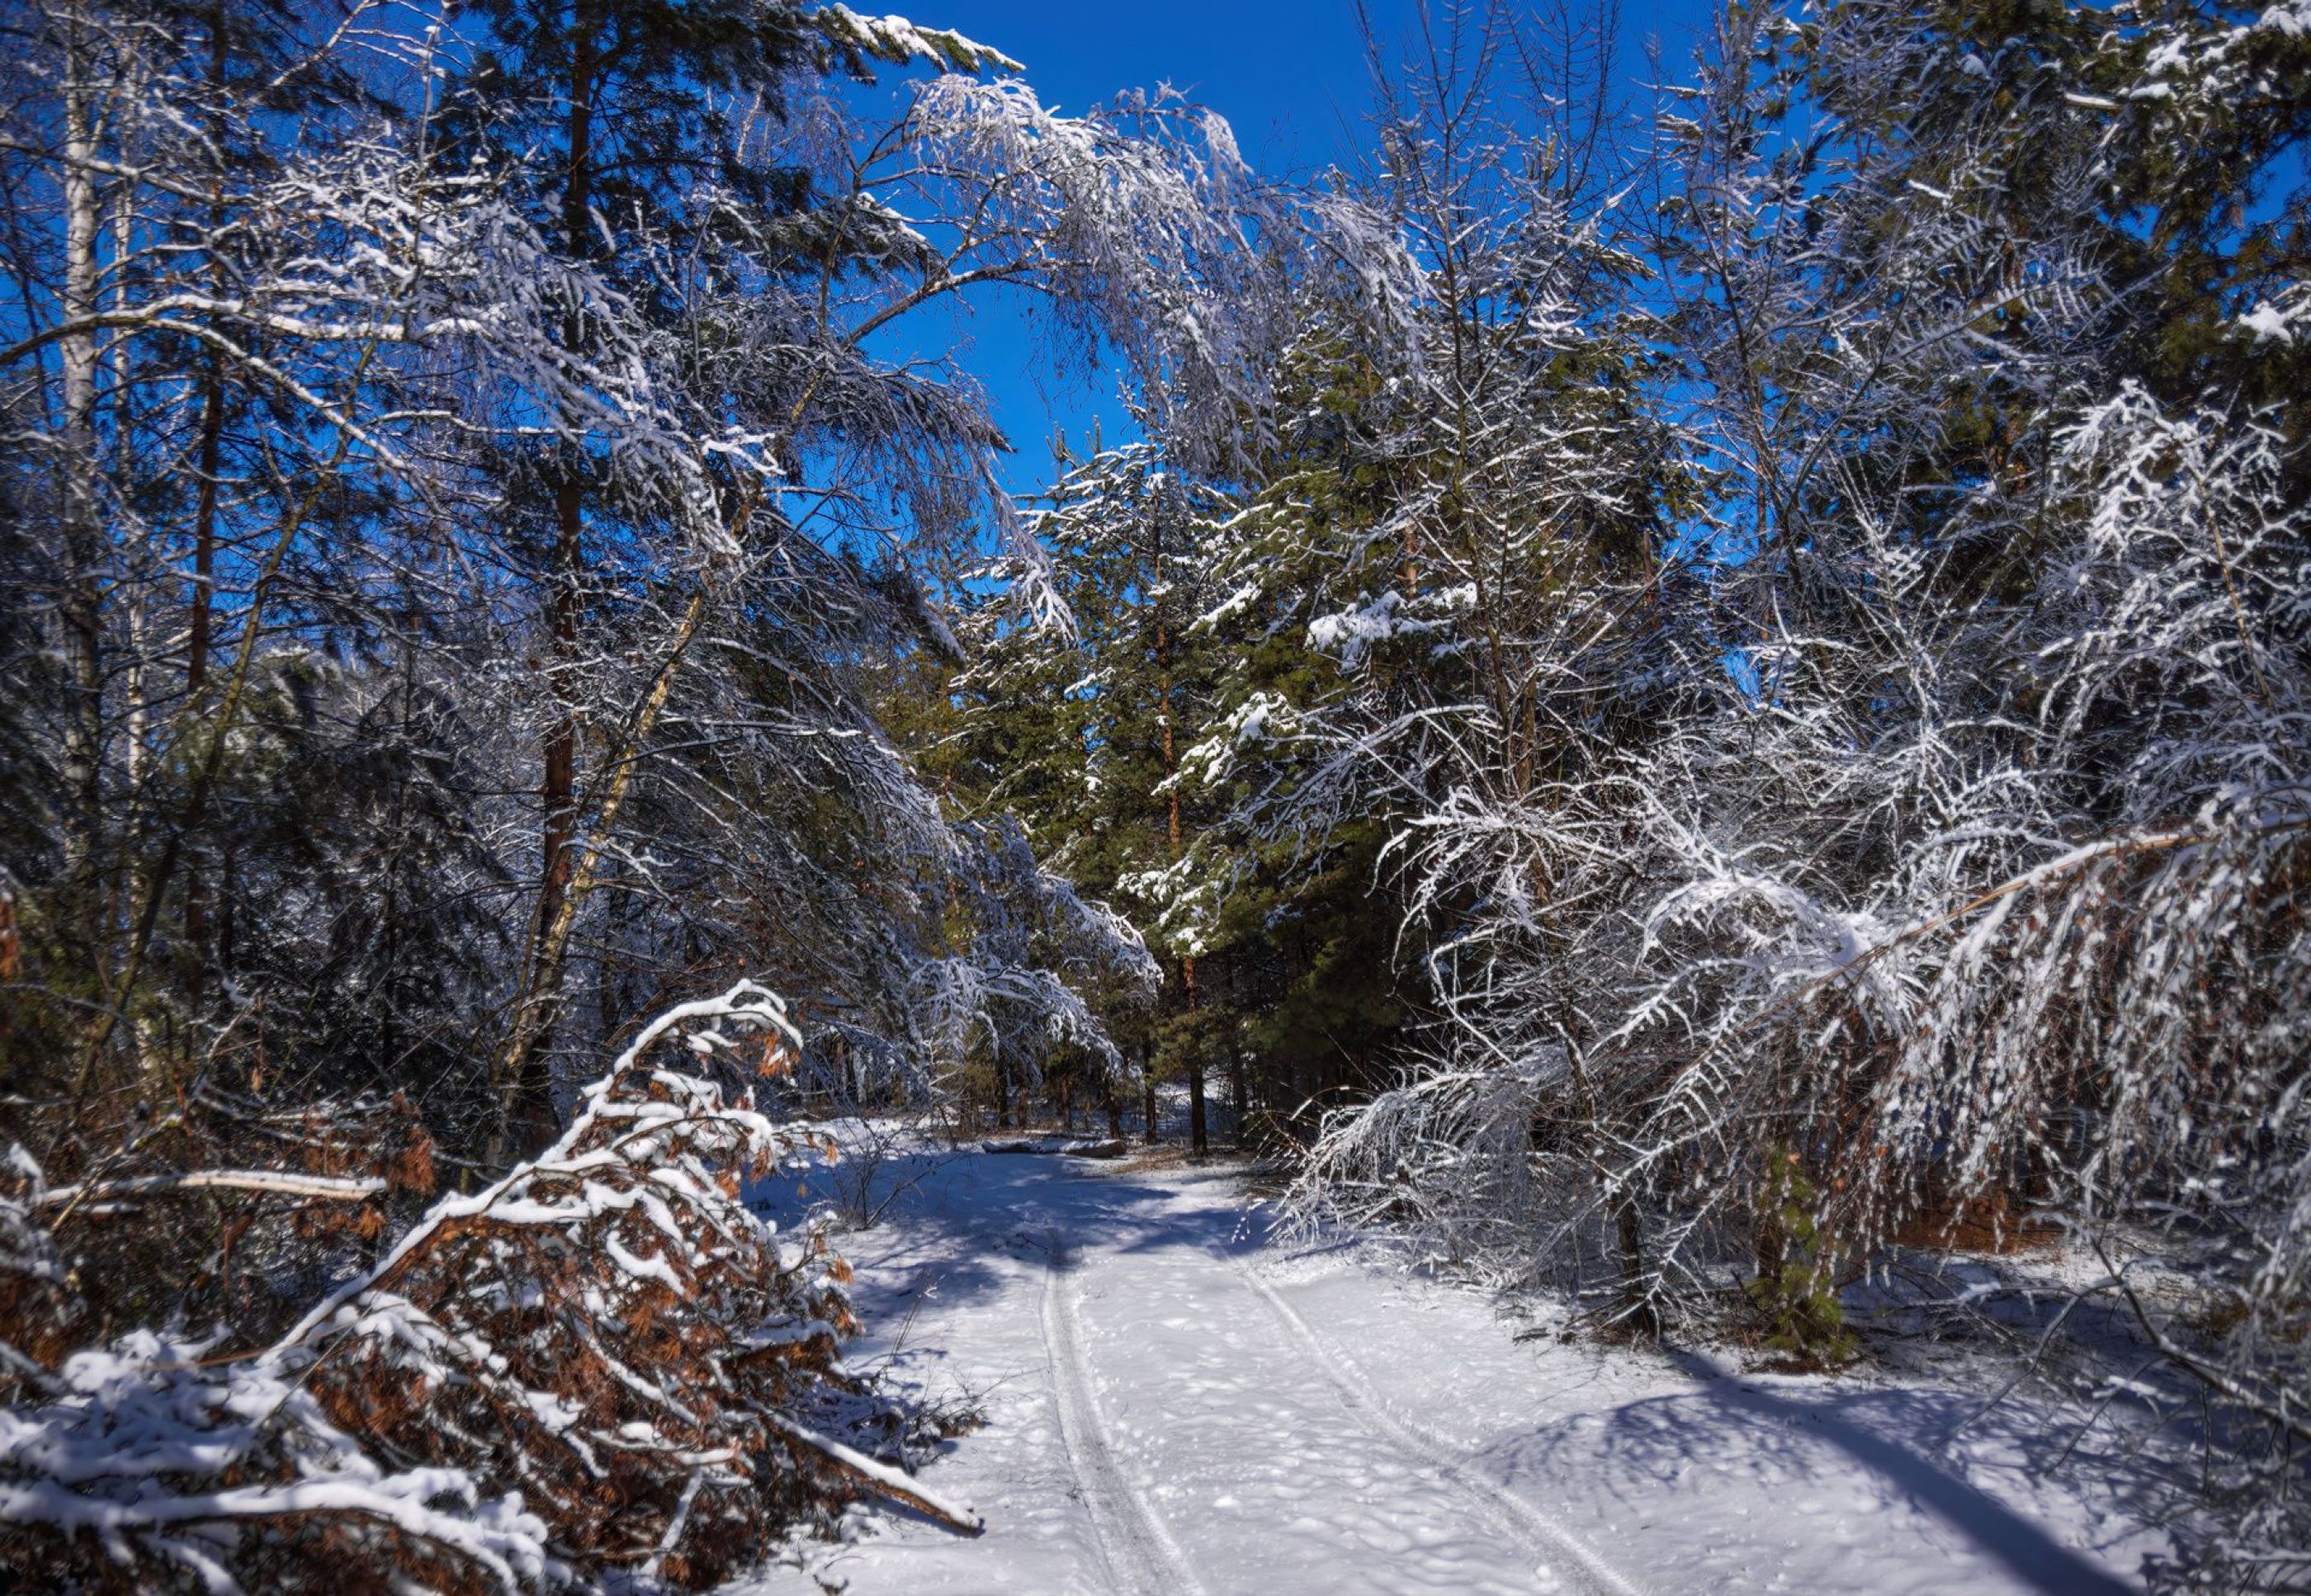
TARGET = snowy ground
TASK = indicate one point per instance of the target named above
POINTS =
(1172, 1404)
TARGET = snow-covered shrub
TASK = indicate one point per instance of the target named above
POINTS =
(1909, 854)
(602, 1364)
(1965, 915)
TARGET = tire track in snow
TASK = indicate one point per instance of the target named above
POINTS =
(1142, 1559)
(1557, 1550)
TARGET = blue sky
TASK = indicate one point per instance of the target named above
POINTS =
(1290, 75)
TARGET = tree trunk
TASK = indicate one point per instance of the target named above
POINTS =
(1628, 1223)
(1200, 1137)
(201, 600)
(558, 777)
(83, 606)
(229, 916)
(1198, 1130)
(522, 1079)
(558, 781)
(1630, 1232)
(202, 603)
(1239, 1090)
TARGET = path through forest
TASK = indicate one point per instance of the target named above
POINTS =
(1174, 1403)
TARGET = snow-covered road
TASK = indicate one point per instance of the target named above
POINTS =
(1172, 1405)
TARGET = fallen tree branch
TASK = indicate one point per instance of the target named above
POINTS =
(339, 1187)
(880, 1479)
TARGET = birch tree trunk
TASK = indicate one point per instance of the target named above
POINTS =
(82, 605)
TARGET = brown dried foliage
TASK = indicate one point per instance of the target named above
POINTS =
(608, 1331)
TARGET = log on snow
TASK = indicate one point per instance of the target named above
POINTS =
(880, 1479)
